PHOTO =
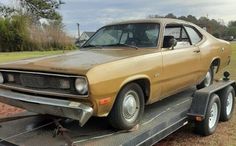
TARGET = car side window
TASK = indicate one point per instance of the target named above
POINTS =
(179, 33)
(173, 31)
(195, 36)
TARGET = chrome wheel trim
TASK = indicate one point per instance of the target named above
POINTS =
(208, 78)
(213, 115)
(131, 106)
(229, 104)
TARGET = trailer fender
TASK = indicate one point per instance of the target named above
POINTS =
(202, 97)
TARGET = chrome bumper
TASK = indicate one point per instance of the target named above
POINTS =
(42, 105)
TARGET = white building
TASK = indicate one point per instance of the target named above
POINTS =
(84, 37)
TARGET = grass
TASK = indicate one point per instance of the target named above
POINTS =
(232, 67)
(7, 57)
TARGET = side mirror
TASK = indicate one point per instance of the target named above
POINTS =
(173, 43)
(169, 42)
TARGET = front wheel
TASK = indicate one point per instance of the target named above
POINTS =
(128, 107)
(208, 80)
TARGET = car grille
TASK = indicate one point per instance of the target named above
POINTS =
(43, 82)
(34, 81)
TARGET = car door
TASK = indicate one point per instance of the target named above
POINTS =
(181, 63)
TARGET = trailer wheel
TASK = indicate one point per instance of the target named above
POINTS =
(209, 124)
(227, 103)
(128, 107)
(208, 80)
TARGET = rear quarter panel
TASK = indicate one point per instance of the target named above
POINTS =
(211, 49)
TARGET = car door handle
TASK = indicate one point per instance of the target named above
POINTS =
(196, 51)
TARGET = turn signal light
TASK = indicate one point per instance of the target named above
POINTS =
(105, 101)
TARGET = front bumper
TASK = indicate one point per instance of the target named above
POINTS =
(42, 105)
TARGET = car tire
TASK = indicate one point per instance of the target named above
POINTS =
(128, 107)
(208, 80)
(227, 97)
(209, 124)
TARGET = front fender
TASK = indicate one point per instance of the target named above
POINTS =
(133, 78)
(110, 89)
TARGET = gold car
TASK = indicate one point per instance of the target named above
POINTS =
(119, 70)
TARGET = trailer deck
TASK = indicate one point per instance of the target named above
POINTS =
(160, 120)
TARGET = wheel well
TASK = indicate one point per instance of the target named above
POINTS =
(145, 85)
(216, 63)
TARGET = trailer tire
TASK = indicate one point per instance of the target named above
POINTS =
(227, 103)
(209, 124)
(128, 107)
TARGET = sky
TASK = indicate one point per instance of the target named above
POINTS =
(93, 14)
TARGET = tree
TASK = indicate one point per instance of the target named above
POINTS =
(35, 9)
(183, 18)
(21, 30)
(155, 16)
(170, 15)
(231, 30)
(189, 18)
(38, 9)
(14, 33)
(192, 19)
(232, 24)
(215, 27)
(7, 12)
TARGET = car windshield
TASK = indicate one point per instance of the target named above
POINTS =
(129, 35)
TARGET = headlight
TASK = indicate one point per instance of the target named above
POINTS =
(81, 86)
(1, 78)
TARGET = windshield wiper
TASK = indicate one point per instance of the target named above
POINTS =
(92, 46)
(126, 45)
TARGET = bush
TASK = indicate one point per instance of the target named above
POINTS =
(18, 34)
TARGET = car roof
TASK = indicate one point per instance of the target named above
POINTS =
(152, 20)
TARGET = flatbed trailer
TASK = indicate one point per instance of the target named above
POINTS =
(160, 120)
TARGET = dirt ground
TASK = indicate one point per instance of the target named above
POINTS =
(6, 110)
(224, 136)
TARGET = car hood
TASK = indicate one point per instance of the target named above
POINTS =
(76, 62)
